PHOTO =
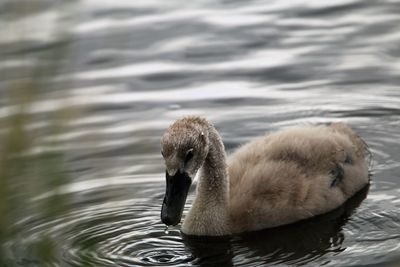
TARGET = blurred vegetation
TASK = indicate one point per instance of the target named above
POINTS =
(26, 173)
(27, 168)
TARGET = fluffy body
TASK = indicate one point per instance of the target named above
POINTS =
(276, 179)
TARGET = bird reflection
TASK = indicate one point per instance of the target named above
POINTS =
(298, 243)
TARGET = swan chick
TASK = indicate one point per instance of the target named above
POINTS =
(276, 179)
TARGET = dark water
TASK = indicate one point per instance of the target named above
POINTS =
(133, 67)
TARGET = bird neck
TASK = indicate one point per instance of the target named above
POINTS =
(209, 212)
(213, 180)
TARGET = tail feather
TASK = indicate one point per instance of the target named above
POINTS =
(361, 147)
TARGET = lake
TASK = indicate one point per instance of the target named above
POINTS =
(126, 70)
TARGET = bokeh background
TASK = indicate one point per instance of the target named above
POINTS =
(87, 87)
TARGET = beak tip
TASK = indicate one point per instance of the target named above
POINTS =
(166, 218)
(168, 221)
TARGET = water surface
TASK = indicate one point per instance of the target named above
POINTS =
(133, 67)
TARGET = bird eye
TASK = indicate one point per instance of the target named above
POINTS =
(189, 155)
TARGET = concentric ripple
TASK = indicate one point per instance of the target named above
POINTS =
(125, 236)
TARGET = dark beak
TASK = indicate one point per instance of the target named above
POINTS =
(175, 197)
